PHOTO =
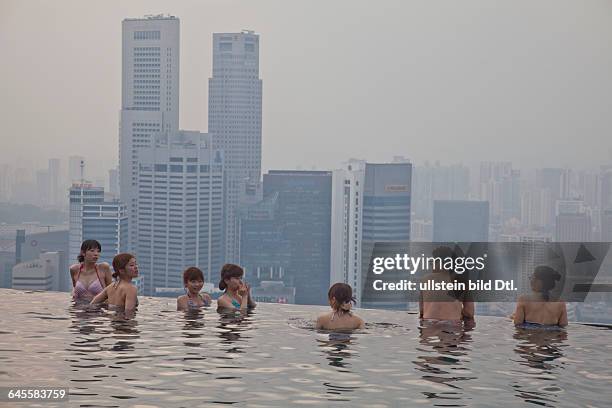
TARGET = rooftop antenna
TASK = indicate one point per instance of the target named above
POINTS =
(82, 165)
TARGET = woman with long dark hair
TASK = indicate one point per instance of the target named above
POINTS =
(89, 277)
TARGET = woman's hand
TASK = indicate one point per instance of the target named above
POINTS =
(243, 290)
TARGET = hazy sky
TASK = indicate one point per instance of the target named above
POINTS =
(525, 81)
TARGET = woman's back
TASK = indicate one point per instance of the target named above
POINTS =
(119, 292)
(339, 321)
(537, 310)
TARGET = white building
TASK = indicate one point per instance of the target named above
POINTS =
(370, 204)
(39, 274)
(80, 194)
(180, 209)
(149, 94)
(234, 120)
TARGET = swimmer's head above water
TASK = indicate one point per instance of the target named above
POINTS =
(340, 297)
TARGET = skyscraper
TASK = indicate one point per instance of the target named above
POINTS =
(371, 204)
(149, 95)
(234, 121)
(81, 194)
(107, 223)
(180, 209)
(296, 213)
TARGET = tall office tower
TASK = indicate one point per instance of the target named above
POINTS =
(57, 195)
(265, 251)
(74, 169)
(500, 186)
(461, 221)
(371, 204)
(81, 194)
(149, 96)
(234, 121)
(107, 223)
(573, 223)
(180, 209)
(300, 204)
(113, 182)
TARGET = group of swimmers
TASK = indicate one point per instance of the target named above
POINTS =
(96, 283)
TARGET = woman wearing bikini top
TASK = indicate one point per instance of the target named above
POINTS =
(88, 277)
(237, 294)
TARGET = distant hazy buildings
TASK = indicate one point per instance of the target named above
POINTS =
(38, 274)
(461, 221)
(149, 95)
(180, 209)
(234, 121)
(438, 182)
(500, 187)
(573, 223)
(30, 246)
(372, 203)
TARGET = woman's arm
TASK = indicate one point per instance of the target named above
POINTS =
(131, 298)
(100, 297)
(181, 303)
(519, 313)
(74, 269)
(468, 310)
(108, 274)
(563, 318)
(251, 303)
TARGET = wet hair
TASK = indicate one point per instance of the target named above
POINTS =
(229, 271)
(192, 273)
(343, 294)
(86, 246)
(120, 261)
(548, 276)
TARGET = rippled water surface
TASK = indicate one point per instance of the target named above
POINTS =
(273, 357)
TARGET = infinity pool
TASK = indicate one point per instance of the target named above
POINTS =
(273, 357)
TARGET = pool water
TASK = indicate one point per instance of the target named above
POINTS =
(274, 357)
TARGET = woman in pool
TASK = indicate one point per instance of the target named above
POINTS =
(193, 278)
(341, 299)
(88, 277)
(437, 306)
(122, 293)
(237, 294)
(536, 309)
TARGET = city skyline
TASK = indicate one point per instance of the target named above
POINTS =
(487, 114)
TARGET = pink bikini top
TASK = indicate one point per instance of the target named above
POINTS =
(80, 291)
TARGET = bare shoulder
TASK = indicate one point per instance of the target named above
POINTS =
(359, 322)
(131, 290)
(104, 266)
(74, 268)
